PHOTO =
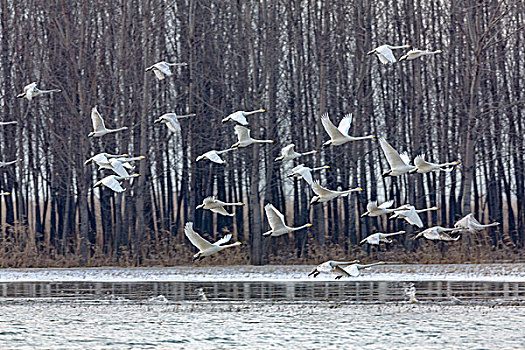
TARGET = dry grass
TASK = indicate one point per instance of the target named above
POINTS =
(163, 250)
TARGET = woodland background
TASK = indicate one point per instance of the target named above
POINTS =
(295, 58)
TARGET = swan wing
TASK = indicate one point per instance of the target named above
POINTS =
(306, 174)
(275, 218)
(320, 190)
(96, 119)
(385, 55)
(195, 238)
(239, 117)
(386, 204)
(288, 150)
(158, 74)
(172, 122)
(393, 158)
(224, 239)
(214, 157)
(221, 210)
(242, 133)
(164, 68)
(371, 206)
(118, 168)
(339, 270)
(412, 217)
(353, 271)
(330, 128)
(209, 200)
(344, 124)
(112, 183)
(463, 222)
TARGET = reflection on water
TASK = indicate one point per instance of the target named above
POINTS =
(369, 291)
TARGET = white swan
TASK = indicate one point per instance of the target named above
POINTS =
(99, 128)
(162, 69)
(125, 161)
(113, 182)
(277, 223)
(244, 139)
(332, 267)
(172, 120)
(213, 155)
(206, 248)
(8, 123)
(3, 164)
(354, 270)
(422, 166)
(399, 163)
(240, 116)
(436, 233)
(288, 153)
(413, 54)
(410, 214)
(305, 172)
(470, 224)
(384, 53)
(379, 237)
(325, 195)
(31, 91)
(216, 206)
(103, 158)
(373, 209)
(339, 135)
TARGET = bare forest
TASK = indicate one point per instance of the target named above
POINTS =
(297, 59)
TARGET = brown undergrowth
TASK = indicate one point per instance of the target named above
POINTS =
(163, 250)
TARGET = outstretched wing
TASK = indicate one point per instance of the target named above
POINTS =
(393, 158)
(222, 211)
(214, 157)
(330, 128)
(319, 190)
(412, 217)
(224, 239)
(371, 206)
(385, 55)
(163, 67)
(96, 119)
(173, 122)
(341, 271)
(344, 124)
(195, 238)
(118, 168)
(288, 150)
(275, 218)
(386, 204)
(242, 133)
(306, 174)
(112, 183)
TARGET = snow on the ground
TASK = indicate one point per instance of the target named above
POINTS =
(504, 272)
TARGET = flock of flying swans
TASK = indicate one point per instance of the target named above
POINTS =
(399, 165)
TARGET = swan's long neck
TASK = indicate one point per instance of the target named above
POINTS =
(262, 141)
(399, 47)
(427, 209)
(119, 129)
(355, 138)
(126, 177)
(448, 164)
(394, 233)
(233, 204)
(321, 167)
(229, 245)
(186, 115)
(253, 112)
(309, 152)
(357, 189)
(7, 123)
(300, 227)
(482, 225)
(372, 264)
(226, 150)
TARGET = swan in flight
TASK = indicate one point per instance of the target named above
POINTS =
(244, 139)
(379, 237)
(206, 248)
(277, 224)
(399, 163)
(423, 167)
(240, 116)
(288, 153)
(4, 194)
(162, 69)
(325, 195)
(31, 91)
(332, 267)
(216, 206)
(172, 120)
(436, 233)
(413, 54)
(213, 155)
(99, 128)
(103, 158)
(373, 209)
(411, 214)
(470, 224)
(339, 135)
(8, 123)
(113, 182)
(3, 164)
(305, 172)
(384, 53)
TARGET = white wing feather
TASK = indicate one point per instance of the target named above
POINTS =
(195, 238)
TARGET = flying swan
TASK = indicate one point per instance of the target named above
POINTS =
(339, 135)
(277, 224)
(216, 206)
(99, 128)
(206, 248)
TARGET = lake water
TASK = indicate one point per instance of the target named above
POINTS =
(458, 307)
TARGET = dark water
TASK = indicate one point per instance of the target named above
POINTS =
(351, 291)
